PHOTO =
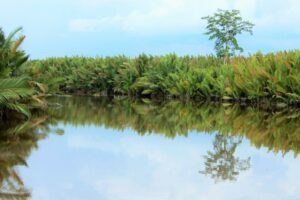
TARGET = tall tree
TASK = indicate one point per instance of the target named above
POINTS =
(223, 27)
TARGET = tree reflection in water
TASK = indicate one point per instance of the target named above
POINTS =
(278, 131)
(221, 164)
(17, 140)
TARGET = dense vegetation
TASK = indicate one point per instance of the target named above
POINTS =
(17, 93)
(254, 78)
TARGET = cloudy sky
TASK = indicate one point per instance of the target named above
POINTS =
(131, 27)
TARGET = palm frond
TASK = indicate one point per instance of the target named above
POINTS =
(13, 89)
(9, 38)
(21, 108)
(16, 44)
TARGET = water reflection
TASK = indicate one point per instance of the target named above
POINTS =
(221, 164)
(93, 149)
(279, 131)
(17, 140)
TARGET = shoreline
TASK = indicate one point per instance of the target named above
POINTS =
(263, 103)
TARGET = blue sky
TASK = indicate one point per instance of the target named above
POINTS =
(131, 27)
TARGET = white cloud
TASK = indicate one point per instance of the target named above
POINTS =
(161, 16)
(288, 16)
(247, 8)
(82, 25)
(181, 15)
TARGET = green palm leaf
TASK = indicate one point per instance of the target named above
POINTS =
(12, 89)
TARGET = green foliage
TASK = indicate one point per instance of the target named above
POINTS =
(12, 90)
(17, 93)
(11, 58)
(254, 78)
(223, 27)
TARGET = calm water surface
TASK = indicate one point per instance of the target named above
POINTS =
(98, 148)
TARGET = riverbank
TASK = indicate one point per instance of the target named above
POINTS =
(257, 79)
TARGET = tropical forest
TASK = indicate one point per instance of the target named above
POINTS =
(154, 121)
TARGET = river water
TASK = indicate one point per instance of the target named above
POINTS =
(121, 149)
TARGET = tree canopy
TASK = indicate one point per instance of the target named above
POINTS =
(223, 27)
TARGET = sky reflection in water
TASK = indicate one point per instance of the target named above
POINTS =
(98, 163)
(93, 161)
